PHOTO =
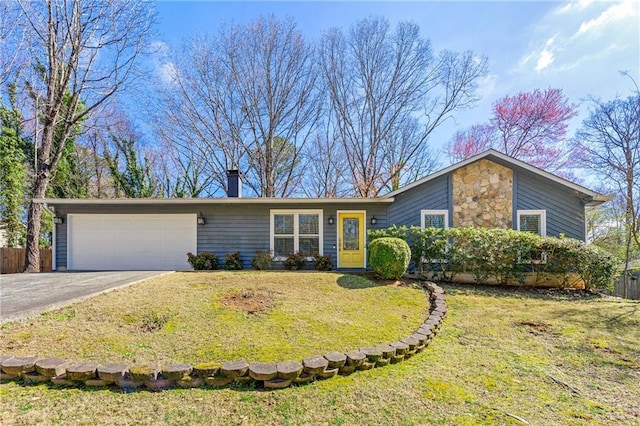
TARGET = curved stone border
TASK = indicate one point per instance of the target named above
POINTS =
(270, 375)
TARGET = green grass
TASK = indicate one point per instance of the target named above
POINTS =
(202, 317)
(502, 355)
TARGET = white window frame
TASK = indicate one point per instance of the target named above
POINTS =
(543, 219)
(296, 230)
(423, 213)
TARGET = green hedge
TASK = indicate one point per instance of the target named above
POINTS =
(502, 255)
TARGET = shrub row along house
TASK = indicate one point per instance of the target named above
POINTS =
(490, 190)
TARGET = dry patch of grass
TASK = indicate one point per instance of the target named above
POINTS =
(199, 317)
(504, 356)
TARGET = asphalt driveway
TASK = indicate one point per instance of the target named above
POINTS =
(26, 295)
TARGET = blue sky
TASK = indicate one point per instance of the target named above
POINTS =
(578, 46)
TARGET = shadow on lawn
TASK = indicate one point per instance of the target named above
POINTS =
(358, 282)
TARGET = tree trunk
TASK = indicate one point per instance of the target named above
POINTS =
(32, 258)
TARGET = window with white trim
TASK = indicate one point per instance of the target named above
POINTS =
(533, 221)
(295, 231)
(434, 219)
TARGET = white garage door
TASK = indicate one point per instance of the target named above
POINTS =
(130, 241)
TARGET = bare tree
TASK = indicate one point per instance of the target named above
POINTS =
(325, 164)
(245, 99)
(609, 144)
(11, 41)
(388, 93)
(85, 52)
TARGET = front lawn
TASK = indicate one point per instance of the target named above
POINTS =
(503, 356)
(223, 316)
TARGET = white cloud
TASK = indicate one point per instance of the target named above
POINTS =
(487, 86)
(544, 60)
(581, 35)
(612, 15)
(167, 73)
(574, 6)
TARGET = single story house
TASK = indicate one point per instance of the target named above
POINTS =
(490, 189)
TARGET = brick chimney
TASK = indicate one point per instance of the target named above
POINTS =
(234, 184)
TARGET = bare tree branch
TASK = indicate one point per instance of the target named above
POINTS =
(87, 51)
(388, 93)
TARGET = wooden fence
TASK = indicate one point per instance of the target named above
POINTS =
(628, 286)
(12, 260)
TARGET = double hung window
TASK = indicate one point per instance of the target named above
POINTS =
(295, 231)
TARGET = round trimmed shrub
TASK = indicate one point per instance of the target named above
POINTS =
(389, 257)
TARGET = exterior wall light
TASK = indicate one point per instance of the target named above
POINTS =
(58, 220)
(201, 220)
(373, 220)
(331, 220)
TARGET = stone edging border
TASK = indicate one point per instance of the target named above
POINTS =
(268, 375)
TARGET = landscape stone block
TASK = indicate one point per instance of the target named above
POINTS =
(336, 359)
(421, 338)
(187, 382)
(208, 369)
(112, 372)
(355, 358)
(382, 362)
(176, 371)
(412, 342)
(315, 364)
(142, 373)
(218, 381)
(235, 369)
(387, 351)
(304, 378)
(396, 359)
(4, 377)
(328, 373)
(159, 384)
(347, 369)
(35, 378)
(366, 365)
(19, 365)
(401, 348)
(263, 370)
(51, 367)
(289, 370)
(62, 380)
(126, 383)
(372, 354)
(82, 371)
(277, 383)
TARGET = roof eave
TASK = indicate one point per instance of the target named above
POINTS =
(211, 201)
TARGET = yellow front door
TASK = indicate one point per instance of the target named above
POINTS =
(351, 240)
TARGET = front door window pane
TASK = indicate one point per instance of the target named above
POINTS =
(350, 234)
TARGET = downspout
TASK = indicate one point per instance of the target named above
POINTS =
(53, 237)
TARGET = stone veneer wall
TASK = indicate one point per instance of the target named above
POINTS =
(483, 195)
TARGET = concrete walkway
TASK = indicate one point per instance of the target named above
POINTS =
(26, 295)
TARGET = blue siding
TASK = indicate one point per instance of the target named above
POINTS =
(565, 210)
(229, 228)
(432, 195)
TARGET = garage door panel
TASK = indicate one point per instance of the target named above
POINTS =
(121, 242)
